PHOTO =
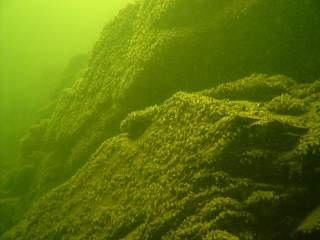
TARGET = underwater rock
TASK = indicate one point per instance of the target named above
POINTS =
(7, 208)
(310, 227)
(286, 104)
(73, 71)
(151, 50)
(199, 168)
(257, 87)
(137, 122)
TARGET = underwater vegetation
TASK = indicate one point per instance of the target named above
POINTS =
(193, 119)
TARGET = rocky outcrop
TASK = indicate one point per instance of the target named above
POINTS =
(310, 227)
(155, 48)
(194, 167)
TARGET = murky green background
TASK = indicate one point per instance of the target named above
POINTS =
(37, 39)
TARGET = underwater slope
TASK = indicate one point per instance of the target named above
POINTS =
(155, 48)
(151, 50)
(234, 162)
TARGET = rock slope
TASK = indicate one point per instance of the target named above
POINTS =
(217, 164)
(153, 49)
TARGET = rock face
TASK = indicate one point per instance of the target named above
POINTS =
(199, 166)
(151, 50)
(73, 71)
(155, 48)
(310, 227)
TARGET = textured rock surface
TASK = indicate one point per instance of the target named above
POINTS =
(197, 168)
(153, 49)
(310, 227)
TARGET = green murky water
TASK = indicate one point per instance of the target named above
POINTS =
(37, 40)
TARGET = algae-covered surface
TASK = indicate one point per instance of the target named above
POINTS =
(190, 120)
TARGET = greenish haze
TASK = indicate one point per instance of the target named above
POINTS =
(37, 40)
